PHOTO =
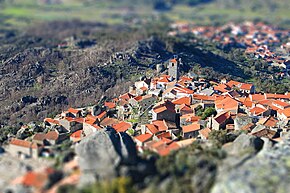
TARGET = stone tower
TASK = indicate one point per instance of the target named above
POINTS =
(173, 68)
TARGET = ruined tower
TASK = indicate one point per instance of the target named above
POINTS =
(173, 68)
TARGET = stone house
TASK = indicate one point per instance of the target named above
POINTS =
(142, 139)
(71, 124)
(164, 111)
(220, 120)
(23, 149)
(190, 131)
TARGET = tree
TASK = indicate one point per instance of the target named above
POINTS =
(208, 112)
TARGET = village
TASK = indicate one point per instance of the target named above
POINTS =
(260, 41)
(161, 114)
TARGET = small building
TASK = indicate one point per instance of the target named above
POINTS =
(220, 120)
(141, 139)
(190, 131)
(204, 133)
(23, 149)
(164, 111)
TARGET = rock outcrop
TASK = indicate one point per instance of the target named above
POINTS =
(266, 172)
(103, 153)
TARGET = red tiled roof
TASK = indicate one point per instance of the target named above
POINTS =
(277, 96)
(35, 179)
(138, 98)
(183, 90)
(257, 111)
(74, 111)
(143, 137)
(126, 96)
(268, 121)
(221, 88)
(248, 127)
(182, 100)
(185, 107)
(233, 83)
(144, 88)
(185, 78)
(164, 80)
(281, 103)
(77, 134)
(52, 135)
(109, 121)
(160, 124)
(79, 120)
(203, 97)
(110, 105)
(23, 143)
(50, 120)
(173, 60)
(222, 117)
(191, 128)
(90, 119)
(102, 115)
(285, 112)
(172, 147)
(39, 136)
(227, 103)
(164, 135)
(246, 86)
(257, 97)
(122, 126)
(152, 128)
(167, 105)
(204, 132)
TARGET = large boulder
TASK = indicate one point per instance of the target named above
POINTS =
(266, 172)
(103, 153)
(244, 144)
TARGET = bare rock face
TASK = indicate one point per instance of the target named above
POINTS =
(266, 172)
(103, 153)
(244, 144)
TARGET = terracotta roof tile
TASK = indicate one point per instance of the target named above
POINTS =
(23, 143)
(245, 86)
(109, 121)
(182, 100)
(227, 104)
(164, 135)
(191, 128)
(160, 124)
(285, 112)
(257, 97)
(52, 135)
(257, 111)
(122, 126)
(143, 137)
(205, 132)
(222, 117)
(110, 105)
(101, 115)
(152, 128)
(281, 103)
(77, 134)
(50, 120)
(74, 111)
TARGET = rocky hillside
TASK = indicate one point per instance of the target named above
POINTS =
(49, 67)
(40, 76)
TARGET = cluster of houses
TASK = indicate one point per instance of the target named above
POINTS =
(258, 39)
(165, 113)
